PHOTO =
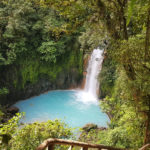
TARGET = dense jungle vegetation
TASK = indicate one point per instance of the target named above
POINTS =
(42, 38)
(35, 51)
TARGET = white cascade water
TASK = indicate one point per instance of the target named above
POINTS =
(89, 94)
(93, 70)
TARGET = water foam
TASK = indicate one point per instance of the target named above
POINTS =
(86, 98)
(93, 70)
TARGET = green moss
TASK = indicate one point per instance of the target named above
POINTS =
(32, 69)
(29, 71)
(15, 83)
(81, 63)
(50, 70)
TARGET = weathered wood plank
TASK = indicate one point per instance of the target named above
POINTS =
(145, 147)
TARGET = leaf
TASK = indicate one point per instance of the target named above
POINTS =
(130, 11)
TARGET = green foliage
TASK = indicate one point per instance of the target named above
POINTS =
(122, 130)
(136, 16)
(131, 54)
(130, 9)
(4, 91)
(126, 127)
(50, 50)
(92, 38)
(10, 126)
(126, 120)
(33, 45)
(73, 11)
(28, 29)
(107, 77)
(17, 28)
(14, 137)
(8, 129)
(32, 135)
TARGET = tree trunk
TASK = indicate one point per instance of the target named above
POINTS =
(125, 28)
(123, 18)
(110, 23)
(147, 130)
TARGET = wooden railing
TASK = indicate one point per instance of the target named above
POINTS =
(50, 143)
(145, 147)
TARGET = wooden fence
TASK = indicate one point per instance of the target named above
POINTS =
(50, 143)
(145, 147)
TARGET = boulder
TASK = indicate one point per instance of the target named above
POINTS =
(89, 127)
(13, 110)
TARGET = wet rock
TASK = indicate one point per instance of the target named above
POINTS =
(102, 128)
(12, 110)
(89, 127)
(9, 113)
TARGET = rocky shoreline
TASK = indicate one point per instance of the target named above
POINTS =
(9, 112)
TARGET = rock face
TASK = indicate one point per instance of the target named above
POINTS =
(85, 65)
(64, 80)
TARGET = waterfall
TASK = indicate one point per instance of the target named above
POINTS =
(93, 70)
(89, 94)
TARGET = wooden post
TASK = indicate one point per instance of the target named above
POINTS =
(51, 147)
(70, 148)
(85, 148)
